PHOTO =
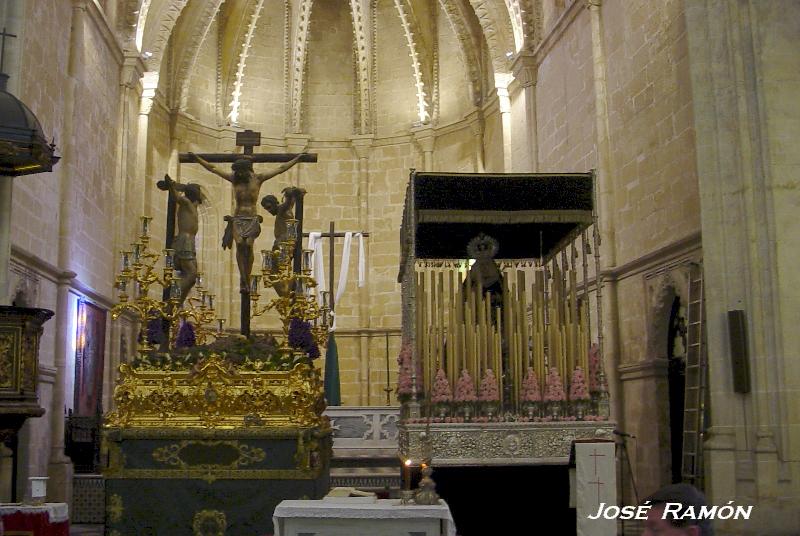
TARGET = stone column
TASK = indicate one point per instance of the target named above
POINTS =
(501, 86)
(362, 146)
(6, 192)
(526, 72)
(476, 127)
(604, 207)
(426, 139)
(60, 466)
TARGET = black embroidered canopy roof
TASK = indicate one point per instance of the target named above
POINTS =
(531, 215)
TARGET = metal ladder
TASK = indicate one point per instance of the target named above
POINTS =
(696, 376)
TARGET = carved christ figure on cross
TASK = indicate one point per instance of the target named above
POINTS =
(245, 224)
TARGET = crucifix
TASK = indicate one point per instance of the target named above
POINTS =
(332, 235)
(244, 225)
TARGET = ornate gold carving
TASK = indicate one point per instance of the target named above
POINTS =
(6, 360)
(215, 394)
(246, 454)
(209, 523)
(114, 508)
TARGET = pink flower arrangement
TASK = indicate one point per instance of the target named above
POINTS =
(577, 388)
(404, 383)
(554, 391)
(530, 387)
(594, 370)
(441, 388)
(465, 388)
(489, 392)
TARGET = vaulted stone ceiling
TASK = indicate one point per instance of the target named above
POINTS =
(236, 61)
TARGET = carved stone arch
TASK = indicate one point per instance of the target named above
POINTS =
(237, 32)
(157, 20)
(419, 57)
(127, 21)
(298, 26)
(470, 52)
(361, 13)
(532, 22)
(496, 25)
(196, 29)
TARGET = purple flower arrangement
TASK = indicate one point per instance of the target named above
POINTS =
(300, 336)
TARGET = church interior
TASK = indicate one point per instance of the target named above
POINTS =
(255, 250)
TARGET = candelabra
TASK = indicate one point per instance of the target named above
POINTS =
(139, 271)
(296, 298)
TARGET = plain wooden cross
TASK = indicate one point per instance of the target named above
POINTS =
(4, 34)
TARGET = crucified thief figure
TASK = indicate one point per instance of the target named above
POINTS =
(245, 224)
(188, 197)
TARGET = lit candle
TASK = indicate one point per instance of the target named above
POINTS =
(221, 322)
(407, 474)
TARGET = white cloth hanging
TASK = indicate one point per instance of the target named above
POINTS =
(344, 268)
(317, 264)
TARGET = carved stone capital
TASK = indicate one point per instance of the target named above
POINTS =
(425, 137)
(526, 69)
(132, 71)
(362, 145)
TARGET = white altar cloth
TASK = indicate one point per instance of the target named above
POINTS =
(56, 512)
(382, 517)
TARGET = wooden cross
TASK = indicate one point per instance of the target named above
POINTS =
(332, 235)
(248, 140)
(4, 34)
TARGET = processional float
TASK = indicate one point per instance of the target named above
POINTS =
(212, 429)
(501, 360)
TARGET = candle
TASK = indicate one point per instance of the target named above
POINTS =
(145, 225)
(221, 322)
(174, 289)
(168, 257)
(125, 260)
(253, 284)
(137, 251)
(307, 253)
(210, 301)
(407, 474)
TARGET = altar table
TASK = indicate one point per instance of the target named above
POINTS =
(384, 517)
(49, 519)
